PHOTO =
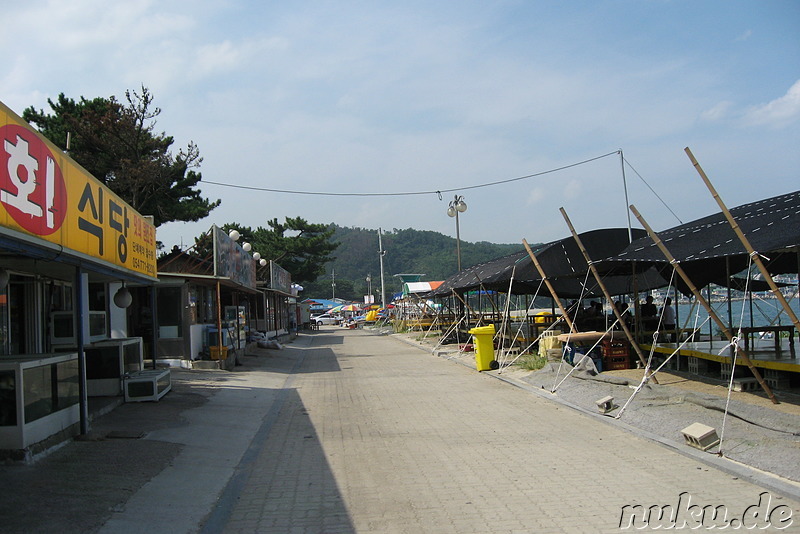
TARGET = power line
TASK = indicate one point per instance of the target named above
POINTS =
(409, 193)
(652, 190)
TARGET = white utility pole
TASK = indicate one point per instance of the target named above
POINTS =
(381, 253)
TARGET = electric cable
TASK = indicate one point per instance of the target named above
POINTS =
(652, 190)
(410, 193)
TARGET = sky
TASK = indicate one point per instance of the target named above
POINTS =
(521, 107)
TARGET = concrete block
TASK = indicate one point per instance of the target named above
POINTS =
(746, 384)
(606, 404)
(778, 383)
(697, 365)
(700, 436)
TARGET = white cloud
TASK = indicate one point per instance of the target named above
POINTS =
(536, 195)
(573, 189)
(227, 56)
(384, 97)
(719, 112)
(780, 112)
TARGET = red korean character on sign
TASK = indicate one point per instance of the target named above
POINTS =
(32, 188)
(143, 231)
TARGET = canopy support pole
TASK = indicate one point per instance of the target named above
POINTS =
(468, 309)
(753, 254)
(596, 274)
(704, 303)
(728, 275)
(550, 287)
(219, 326)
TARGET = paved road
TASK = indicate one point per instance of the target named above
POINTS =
(376, 436)
(347, 431)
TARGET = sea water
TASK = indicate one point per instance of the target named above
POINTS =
(743, 312)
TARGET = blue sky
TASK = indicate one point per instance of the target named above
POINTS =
(390, 97)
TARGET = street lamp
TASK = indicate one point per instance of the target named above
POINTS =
(457, 205)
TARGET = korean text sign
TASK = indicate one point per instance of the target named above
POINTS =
(44, 193)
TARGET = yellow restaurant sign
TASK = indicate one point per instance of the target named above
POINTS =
(44, 193)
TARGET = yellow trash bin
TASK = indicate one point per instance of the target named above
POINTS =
(217, 354)
(484, 348)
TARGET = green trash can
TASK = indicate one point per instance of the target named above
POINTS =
(484, 348)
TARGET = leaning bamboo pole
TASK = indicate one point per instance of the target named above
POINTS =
(746, 242)
(704, 303)
(467, 307)
(599, 280)
(550, 287)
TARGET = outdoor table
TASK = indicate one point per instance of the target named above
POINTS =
(776, 330)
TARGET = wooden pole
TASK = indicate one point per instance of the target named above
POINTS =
(219, 325)
(464, 303)
(617, 314)
(549, 286)
(703, 302)
(738, 231)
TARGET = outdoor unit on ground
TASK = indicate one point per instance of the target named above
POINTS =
(148, 385)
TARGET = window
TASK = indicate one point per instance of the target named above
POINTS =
(62, 319)
(97, 296)
(98, 327)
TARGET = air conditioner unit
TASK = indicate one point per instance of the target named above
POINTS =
(148, 385)
(108, 361)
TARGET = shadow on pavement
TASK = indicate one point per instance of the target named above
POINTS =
(287, 484)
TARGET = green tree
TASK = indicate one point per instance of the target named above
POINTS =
(116, 142)
(300, 247)
(322, 289)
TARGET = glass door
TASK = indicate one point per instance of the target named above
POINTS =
(24, 326)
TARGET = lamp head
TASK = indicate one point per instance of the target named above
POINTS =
(123, 297)
(247, 247)
(451, 211)
(234, 234)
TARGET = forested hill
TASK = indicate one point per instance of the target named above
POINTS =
(407, 251)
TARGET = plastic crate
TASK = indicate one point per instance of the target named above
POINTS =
(615, 363)
(613, 349)
(217, 354)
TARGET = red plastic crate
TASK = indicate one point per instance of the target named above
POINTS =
(614, 363)
(613, 349)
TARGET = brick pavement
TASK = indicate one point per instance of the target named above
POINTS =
(373, 435)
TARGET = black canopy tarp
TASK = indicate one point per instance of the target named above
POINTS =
(710, 252)
(707, 249)
(563, 264)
